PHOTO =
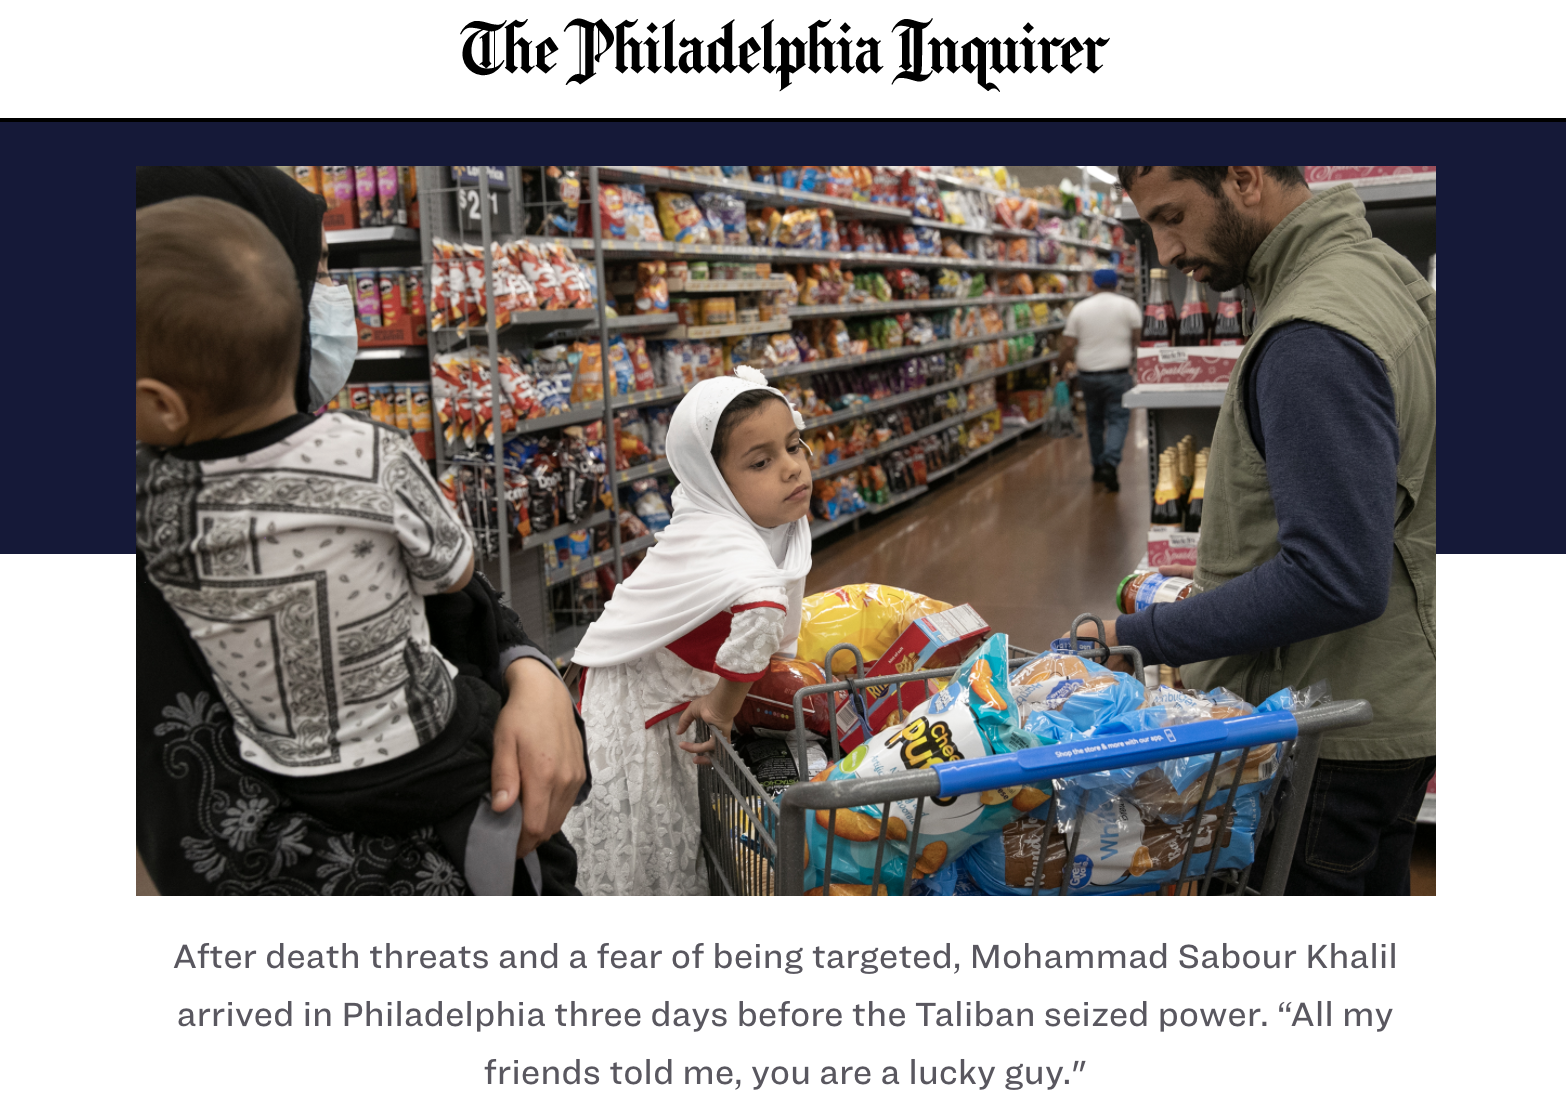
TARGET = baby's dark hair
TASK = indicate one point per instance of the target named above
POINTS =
(739, 408)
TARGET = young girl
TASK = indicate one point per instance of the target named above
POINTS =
(689, 631)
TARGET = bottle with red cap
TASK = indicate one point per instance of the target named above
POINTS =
(1227, 329)
(1158, 317)
(1196, 323)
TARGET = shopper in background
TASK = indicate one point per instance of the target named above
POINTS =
(205, 824)
(1317, 553)
(1099, 350)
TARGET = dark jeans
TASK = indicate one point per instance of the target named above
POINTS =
(1107, 419)
(1358, 832)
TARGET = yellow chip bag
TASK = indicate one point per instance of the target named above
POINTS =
(868, 616)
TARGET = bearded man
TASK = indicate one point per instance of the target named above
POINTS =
(1316, 562)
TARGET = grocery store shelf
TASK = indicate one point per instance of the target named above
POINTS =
(1175, 396)
(819, 527)
(650, 321)
(650, 469)
(852, 361)
(1005, 436)
(892, 307)
(853, 411)
(547, 538)
(1069, 241)
(749, 190)
(564, 644)
(964, 229)
(643, 248)
(724, 330)
(559, 574)
(520, 320)
(359, 236)
(897, 444)
(757, 284)
(390, 353)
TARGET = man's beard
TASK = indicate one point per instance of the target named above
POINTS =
(1231, 242)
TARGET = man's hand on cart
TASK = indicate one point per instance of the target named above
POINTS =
(1087, 630)
(1177, 569)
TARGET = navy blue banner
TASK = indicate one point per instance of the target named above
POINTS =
(72, 314)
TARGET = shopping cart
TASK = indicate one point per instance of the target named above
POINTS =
(755, 844)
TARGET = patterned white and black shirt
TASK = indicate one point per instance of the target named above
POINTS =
(299, 557)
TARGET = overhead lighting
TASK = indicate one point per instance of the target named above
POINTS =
(1095, 172)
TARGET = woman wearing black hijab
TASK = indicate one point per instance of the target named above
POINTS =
(204, 823)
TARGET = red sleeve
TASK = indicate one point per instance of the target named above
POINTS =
(699, 648)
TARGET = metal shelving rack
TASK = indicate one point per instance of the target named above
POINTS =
(526, 571)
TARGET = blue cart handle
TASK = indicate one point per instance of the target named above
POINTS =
(1138, 748)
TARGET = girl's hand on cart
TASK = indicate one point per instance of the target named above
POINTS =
(709, 713)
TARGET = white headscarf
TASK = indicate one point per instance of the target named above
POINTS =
(711, 554)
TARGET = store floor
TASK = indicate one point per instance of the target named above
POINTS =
(1024, 536)
(1027, 539)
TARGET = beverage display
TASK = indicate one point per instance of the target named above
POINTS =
(1158, 317)
(1166, 495)
(1227, 329)
(1196, 321)
(1185, 466)
(1138, 590)
(1193, 507)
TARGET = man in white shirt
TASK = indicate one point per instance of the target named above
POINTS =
(1099, 350)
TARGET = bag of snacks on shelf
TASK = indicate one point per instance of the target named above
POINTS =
(648, 503)
(573, 280)
(681, 219)
(588, 378)
(641, 222)
(829, 236)
(973, 717)
(641, 365)
(541, 275)
(611, 214)
(726, 215)
(622, 371)
(801, 229)
(631, 447)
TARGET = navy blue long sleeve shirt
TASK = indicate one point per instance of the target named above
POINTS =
(1322, 414)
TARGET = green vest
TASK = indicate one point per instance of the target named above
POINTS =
(1321, 264)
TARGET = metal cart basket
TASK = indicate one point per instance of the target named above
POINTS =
(755, 844)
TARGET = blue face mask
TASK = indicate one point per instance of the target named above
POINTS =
(334, 341)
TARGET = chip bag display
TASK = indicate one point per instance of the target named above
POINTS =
(681, 219)
(975, 716)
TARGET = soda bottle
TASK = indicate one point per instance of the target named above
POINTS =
(1226, 324)
(1158, 318)
(1196, 322)
(1193, 507)
(1166, 495)
(1139, 590)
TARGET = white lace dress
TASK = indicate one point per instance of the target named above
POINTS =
(639, 833)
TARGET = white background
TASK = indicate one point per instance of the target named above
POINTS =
(91, 997)
(303, 58)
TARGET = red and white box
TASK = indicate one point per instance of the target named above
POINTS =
(1166, 547)
(1186, 365)
(1321, 176)
(931, 642)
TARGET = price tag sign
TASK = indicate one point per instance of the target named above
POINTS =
(469, 202)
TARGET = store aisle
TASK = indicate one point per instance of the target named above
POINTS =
(1025, 537)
